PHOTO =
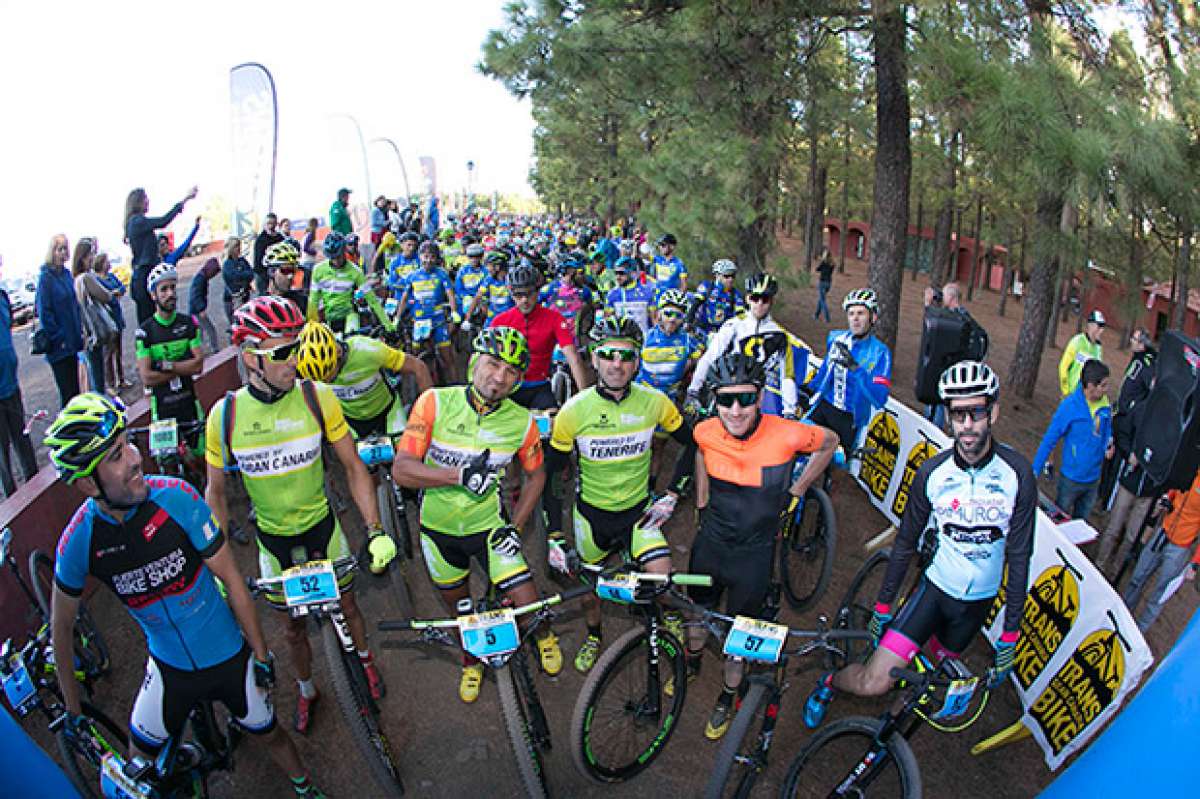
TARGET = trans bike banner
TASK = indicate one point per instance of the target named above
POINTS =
(1080, 652)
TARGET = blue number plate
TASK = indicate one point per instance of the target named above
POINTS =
(421, 329)
(376, 450)
(489, 634)
(115, 785)
(18, 688)
(958, 699)
(311, 584)
(544, 424)
(619, 588)
(754, 639)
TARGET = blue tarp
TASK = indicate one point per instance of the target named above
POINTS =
(26, 770)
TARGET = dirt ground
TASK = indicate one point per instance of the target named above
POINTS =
(447, 749)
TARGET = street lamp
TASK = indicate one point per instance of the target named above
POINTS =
(362, 146)
(396, 150)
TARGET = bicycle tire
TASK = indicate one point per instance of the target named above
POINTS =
(364, 727)
(389, 516)
(731, 746)
(41, 575)
(90, 649)
(403, 530)
(856, 608)
(632, 644)
(560, 387)
(907, 784)
(78, 766)
(806, 556)
(525, 751)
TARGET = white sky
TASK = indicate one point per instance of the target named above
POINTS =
(100, 97)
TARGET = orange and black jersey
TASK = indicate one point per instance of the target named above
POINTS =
(748, 479)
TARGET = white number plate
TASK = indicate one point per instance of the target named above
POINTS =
(422, 328)
(115, 785)
(618, 588)
(311, 584)
(18, 687)
(164, 437)
(489, 634)
(376, 450)
(958, 698)
(754, 639)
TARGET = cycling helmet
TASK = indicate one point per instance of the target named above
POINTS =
(352, 240)
(505, 343)
(159, 274)
(667, 238)
(447, 234)
(967, 379)
(317, 356)
(762, 283)
(334, 244)
(570, 240)
(409, 236)
(673, 298)
(863, 297)
(615, 231)
(266, 317)
(573, 260)
(724, 267)
(281, 254)
(597, 256)
(388, 241)
(82, 434)
(521, 277)
(496, 257)
(625, 264)
(474, 251)
(736, 369)
(612, 328)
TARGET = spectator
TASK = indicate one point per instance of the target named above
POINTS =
(58, 315)
(395, 222)
(1080, 349)
(172, 256)
(139, 235)
(285, 230)
(308, 254)
(88, 287)
(267, 236)
(238, 275)
(198, 302)
(114, 368)
(339, 213)
(12, 409)
(433, 217)
(1167, 553)
(824, 283)
(933, 297)
(379, 219)
(1083, 421)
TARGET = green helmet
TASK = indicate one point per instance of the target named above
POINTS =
(505, 343)
(83, 433)
(673, 298)
(615, 328)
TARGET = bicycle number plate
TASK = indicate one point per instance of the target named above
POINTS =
(754, 639)
(164, 437)
(544, 424)
(489, 634)
(422, 328)
(115, 785)
(376, 450)
(18, 687)
(311, 584)
(391, 306)
(620, 588)
(958, 699)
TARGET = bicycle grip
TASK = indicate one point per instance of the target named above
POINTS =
(704, 580)
(908, 676)
(397, 624)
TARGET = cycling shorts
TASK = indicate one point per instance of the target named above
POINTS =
(840, 422)
(448, 560)
(599, 533)
(389, 422)
(535, 396)
(168, 695)
(324, 540)
(745, 573)
(931, 615)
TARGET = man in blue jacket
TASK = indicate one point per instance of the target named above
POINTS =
(12, 409)
(1083, 422)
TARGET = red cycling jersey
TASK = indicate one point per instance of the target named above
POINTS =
(543, 328)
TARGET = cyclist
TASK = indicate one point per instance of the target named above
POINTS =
(977, 501)
(743, 483)
(388, 250)
(271, 431)
(468, 281)
(432, 292)
(352, 253)
(492, 296)
(856, 375)
(543, 329)
(404, 263)
(156, 545)
(456, 442)
(600, 278)
(718, 299)
(669, 271)
(569, 295)
(756, 333)
(612, 424)
(631, 298)
(283, 261)
(333, 283)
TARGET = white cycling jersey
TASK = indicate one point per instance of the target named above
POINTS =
(762, 339)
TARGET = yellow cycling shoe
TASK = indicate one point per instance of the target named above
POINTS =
(550, 654)
(471, 682)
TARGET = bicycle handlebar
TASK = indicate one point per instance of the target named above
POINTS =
(674, 578)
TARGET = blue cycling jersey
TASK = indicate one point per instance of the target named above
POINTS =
(467, 282)
(153, 560)
(669, 272)
(401, 267)
(496, 296)
(665, 358)
(427, 293)
(634, 301)
(717, 305)
(857, 391)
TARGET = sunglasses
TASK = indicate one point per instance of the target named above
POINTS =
(617, 354)
(280, 353)
(759, 297)
(744, 398)
(962, 415)
(286, 270)
(671, 314)
(520, 295)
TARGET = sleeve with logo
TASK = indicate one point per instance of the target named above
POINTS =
(193, 515)
(418, 432)
(530, 453)
(566, 425)
(335, 421)
(71, 563)
(563, 335)
(669, 418)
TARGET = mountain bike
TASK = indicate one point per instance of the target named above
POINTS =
(858, 605)
(377, 452)
(562, 384)
(488, 630)
(312, 590)
(167, 443)
(808, 539)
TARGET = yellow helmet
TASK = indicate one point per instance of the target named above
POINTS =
(317, 358)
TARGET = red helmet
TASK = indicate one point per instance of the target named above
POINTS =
(266, 317)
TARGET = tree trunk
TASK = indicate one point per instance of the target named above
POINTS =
(845, 199)
(1039, 296)
(975, 248)
(893, 164)
(1011, 267)
(816, 212)
(1085, 286)
(611, 133)
(916, 254)
(1132, 308)
(945, 218)
(1185, 267)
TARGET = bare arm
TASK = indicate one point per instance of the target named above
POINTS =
(420, 372)
(240, 601)
(362, 488)
(412, 472)
(576, 364)
(818, 462)
(170, 369)
(214, 495)
(531, 495)
(701, 482)
(62, 630)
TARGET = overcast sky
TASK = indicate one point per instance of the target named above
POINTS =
(100, 97)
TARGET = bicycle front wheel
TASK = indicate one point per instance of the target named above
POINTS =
(859, 604)
(81, 760)
(91, 653)
(806, 553)
(356, 710)
(623, 717)
(516, 721)
(736, 770)
(389, 516)
(835, 763)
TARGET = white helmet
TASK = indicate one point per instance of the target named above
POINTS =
(724, 267)
(967, 379)
(863, 297)
(160, 273)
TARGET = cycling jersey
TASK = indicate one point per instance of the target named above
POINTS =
(859, 391)
(427, 294)
(566, 298)
(669, 273)
(543, 328)
(153, 560)
(333, 289)
(466, 283)
(170, 339)
(717, 305)
(614, 442)
(981, 517)
(401, 267)
(444, 429)
(784, 357)
(496, 299)
(634, 301)
(665, 358)
(359, 385)
(602, 282)
(277, 448)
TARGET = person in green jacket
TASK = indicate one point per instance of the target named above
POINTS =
(339, 213)
(334, 281)
(1082, 348)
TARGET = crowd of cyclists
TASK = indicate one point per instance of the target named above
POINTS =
(548, 365)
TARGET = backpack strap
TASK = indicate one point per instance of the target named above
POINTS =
(314, 405)
(228, 410)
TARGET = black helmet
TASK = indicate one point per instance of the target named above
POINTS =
(736, 369)
(608, 328)
(409, 236)
(522, 277)
(762, 283)
(667, 238)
